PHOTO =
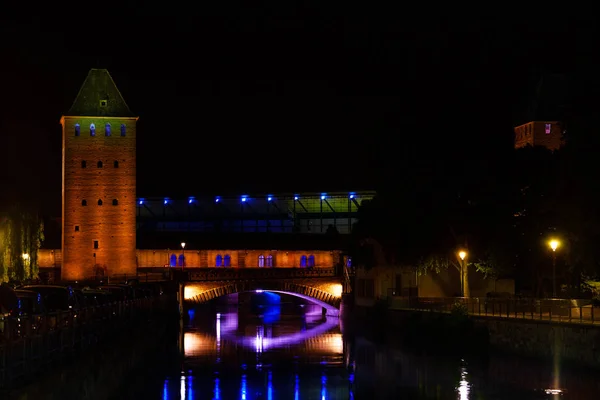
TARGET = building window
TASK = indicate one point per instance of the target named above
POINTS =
(99, 202)
(115, 202)
(219, 261)
(76, 228)
(92, 130)
(173, 260)
(349, 262)
(261, 261)
(83, 164)
(548, 128)
(123, 129)
(107, 130)
(311, 261)
(84, 202)
(270, 261)
(116, 164)
(95, 244)
(77, 129)
(103, 103)
(181, 260)
(99, 164)
(303, 261)
(227, 261)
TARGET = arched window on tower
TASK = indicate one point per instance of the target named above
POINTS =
(261, 261)
(99, 202)
(181, 260)
(77, 129)
(303, 261)
(115, 202)
(173, 260)
(107, 130)
(123, 130)
(83, 164)
(270, 261)
(92, 130)
(219, 261)
(311, 261)
(100, 164)
(84, 202)
(227, 261)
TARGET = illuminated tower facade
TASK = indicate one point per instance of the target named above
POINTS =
(539, 133)
(98, 182)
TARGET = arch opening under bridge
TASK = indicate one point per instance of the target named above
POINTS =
(327, 295)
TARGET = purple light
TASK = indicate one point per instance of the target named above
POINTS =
(548, 128)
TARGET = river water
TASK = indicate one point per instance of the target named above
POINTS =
(290, 351)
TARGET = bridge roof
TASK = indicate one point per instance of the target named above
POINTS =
(240, 241)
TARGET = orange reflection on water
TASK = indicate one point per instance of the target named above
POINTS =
(196, 344)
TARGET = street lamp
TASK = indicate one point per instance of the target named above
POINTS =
(462, 255)
(554, 244)
(25, 256)
(183, 249)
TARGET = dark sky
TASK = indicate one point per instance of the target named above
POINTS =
(257, 98)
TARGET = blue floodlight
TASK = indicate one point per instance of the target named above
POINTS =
(191, 200)
(141, 201)
(269, 198)
(166, 201)
(244, 198)
(217, 199)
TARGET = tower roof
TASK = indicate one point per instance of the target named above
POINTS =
(99, 97)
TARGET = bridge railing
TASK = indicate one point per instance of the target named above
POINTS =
(556, 310)
(220, 274)
(29, 343)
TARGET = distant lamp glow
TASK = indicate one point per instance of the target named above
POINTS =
(166, 201)
(269, 198)
(351, 196)
(141, 202)
(191, 200)
(258, 291)
(183, 245)
(244, 198)
(322, 197)
(295, 197)
(25, 256)
(554, 244)
(462, 254)
(217, 199)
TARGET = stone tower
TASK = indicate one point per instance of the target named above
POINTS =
(99, 182)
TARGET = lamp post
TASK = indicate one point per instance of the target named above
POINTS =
(463, 255)
(554, 244)
(183, 261)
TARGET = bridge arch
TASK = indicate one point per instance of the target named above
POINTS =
(329, 300)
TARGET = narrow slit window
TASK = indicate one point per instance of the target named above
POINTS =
(76, 228)
(84, 202)
(100, 164)
(77, 129)
(83, 164)
(123, 129)
(99, 202)
(107, 130)
(115, 202)
(95, 244)
(92, 130)
(116, 164)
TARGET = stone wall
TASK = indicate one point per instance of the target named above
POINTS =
(560, 342)
(99, 203)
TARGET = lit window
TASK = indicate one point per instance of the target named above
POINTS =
(269, 261)
(227, 261)
(107, 130)
(92, 130)
(548, 128)
(219, 261)
(303, 261)
(261, 261)
(77, 129)
(311, 261)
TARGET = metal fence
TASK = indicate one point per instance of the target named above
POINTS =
(556, 310)
(29, 344)
(219, 274)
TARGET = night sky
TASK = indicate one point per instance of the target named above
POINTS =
(265, 99)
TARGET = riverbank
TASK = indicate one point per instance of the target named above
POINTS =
(98, 373)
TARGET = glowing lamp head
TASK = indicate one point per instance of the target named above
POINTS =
(25, 256)
(183, 245)
(166, 201)
(554, 244)
(295, 197)
(141, 202)
(462, 254)
(351, 196)
(191, 200)
(269, 198)
(244, 198)
(323, 197)
(217, 199)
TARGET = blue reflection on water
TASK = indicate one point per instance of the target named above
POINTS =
(217, 393)
(190, 388)
(243, 390)
(323, 386)
(271, 314)
(270, 387)
(166, 390)
(297, 388)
